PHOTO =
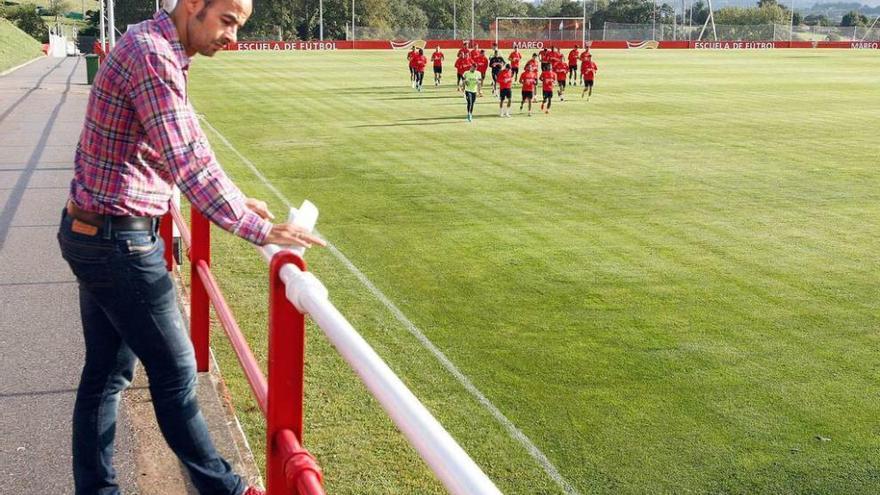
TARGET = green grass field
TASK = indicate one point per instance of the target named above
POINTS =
(672, 288)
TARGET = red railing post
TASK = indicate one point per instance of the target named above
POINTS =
(286, 362)
(301, 471)
(166, 230)
(199, 325)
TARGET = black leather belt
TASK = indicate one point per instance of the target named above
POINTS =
(116, 222)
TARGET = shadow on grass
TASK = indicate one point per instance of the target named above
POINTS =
(423, 121)
(383, 92)
(373, 90)
(423, 97)
(392, 91)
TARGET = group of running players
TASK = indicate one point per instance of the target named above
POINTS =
(547, 67)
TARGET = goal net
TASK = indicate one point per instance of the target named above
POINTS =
(540, 29)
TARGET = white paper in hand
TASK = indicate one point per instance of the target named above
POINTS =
(306, 216)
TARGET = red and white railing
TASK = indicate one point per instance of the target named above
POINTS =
(293, 293)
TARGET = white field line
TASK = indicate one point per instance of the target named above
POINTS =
(511, 428)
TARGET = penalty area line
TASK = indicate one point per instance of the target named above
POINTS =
(465, 382)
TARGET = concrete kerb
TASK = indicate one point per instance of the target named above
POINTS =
(243, 459)
(29, 62)
(159, 472)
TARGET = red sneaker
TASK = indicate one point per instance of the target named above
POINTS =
(252, 490)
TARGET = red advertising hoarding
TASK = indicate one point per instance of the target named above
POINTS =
(538, 45)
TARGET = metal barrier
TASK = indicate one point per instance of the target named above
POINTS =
(294, 292)
(290, 468)
(737, 32)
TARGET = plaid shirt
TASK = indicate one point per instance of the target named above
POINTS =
(141, 136)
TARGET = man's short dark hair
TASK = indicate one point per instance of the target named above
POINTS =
(201, 15)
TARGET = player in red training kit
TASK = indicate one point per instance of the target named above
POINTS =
(462, 65)
(514, 58)
(573, 65)
(532, 63)
(588, 72)
(505, 88)
(420, 62)
(464, 49)
(437, 59)
(545, 55)
(482, 66)
(535, 68)
(585, 54)
(475, 51)
(410, 56)
(548, 78)
(528, 80)
(561, 70)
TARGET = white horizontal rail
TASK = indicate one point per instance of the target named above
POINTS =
(452, 465)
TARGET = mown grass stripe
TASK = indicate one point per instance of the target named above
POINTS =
(515, 432)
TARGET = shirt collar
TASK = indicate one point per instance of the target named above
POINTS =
(169, 32)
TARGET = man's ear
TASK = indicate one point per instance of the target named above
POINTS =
(192, 6)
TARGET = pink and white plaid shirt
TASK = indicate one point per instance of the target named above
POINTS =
(141, 136)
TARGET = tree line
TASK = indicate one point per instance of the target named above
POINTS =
(300, 19)
(32, 19)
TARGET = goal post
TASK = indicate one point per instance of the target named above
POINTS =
(542, 29)
(870, 28)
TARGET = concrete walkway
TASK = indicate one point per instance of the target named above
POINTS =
(42, 106)
(41, 350)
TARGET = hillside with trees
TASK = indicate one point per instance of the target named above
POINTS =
(16, 46)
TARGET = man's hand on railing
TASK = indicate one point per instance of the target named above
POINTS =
(283, 234)
(288, 234)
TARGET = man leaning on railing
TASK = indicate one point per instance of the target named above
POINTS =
(139, 139)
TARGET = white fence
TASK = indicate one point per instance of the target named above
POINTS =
(391, 33)
(618, 31)
(547, 35)
(766, 32)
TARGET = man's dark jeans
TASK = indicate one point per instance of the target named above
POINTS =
(129, 311)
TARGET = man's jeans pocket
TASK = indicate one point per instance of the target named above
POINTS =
(136, 243)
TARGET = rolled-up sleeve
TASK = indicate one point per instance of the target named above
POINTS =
(158, 92)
